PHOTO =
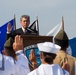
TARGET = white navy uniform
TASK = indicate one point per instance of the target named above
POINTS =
(8, 66)
(46, 69)
(22, 63)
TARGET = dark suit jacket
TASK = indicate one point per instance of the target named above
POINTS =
(19, 32)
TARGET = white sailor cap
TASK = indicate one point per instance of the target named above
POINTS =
(48, 47)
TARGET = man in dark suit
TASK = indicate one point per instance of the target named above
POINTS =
(25, 22)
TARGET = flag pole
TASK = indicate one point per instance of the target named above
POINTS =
(37, 24)
(62, 23)
(14, 22)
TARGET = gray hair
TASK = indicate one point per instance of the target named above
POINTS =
(25, 16)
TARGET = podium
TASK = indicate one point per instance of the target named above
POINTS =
(30, 42)
(33, 39)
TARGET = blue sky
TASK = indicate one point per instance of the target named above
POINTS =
(49, 13)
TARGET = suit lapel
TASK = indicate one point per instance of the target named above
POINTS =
(21, 31)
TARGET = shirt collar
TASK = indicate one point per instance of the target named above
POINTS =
(20, 51)
(23, 29)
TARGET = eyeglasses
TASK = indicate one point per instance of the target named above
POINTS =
(26, 21)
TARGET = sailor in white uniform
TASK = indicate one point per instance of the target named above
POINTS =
(10, 66)
(22, 61)
(6, 65)
(48, 52)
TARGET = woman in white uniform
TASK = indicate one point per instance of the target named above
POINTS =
(48, 52)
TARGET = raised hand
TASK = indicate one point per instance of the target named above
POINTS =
(9, 27)
(18, 43)
(66, 66)
(32, 58)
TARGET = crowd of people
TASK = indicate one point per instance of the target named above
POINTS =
(53, 56)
